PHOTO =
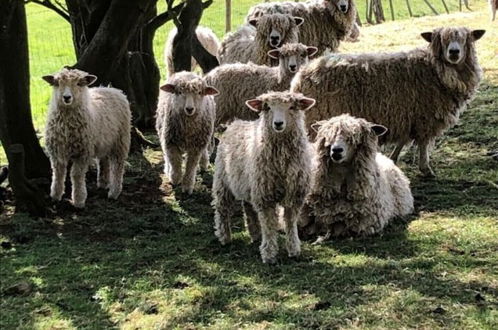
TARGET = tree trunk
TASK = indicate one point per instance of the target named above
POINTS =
(17, 134)
(16, 125)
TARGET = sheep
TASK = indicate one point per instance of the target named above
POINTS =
(355, 189)
(416, 94)
(185, 124)
(240, 82)
(493, 4)
(206, 37)
(327, 22)
(252, 42)
(84, 124)
(264, 164)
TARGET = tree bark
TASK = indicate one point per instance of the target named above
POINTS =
(16, 125)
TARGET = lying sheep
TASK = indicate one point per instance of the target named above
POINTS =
(356, 190)
(264, 163)
(252, 42)
(206, 37)
(185, 124)
(417, 94)
(240, 82)
(326, 22)
(85, 124)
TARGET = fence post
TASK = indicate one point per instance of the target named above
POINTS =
(228, 15)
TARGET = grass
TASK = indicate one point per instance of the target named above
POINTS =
(150, 259)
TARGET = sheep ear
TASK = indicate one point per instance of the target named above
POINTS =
(477, 34)
(427, 36)
(298, 20)
(274, 53)
(316, 126)
(305, 103)
(170, 88)
(51, 80)
(87, 80)
(253, 22)
(379, 129)
(311, 51)
(255, 105)
(210, 91)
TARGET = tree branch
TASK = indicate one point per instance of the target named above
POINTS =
(59, 8)
(168, 15)
(207, 4)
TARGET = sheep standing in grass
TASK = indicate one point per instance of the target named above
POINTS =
(185, 124)
(356, 190)
(417, 94)
(206, 37)
(240, 82)
(326, 22)
(86, 124)
(252, 42)
(264, 163)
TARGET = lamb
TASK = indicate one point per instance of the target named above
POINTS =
(356, 191)
(253, 41)
(206, 37)
(327, 22)
(422, 93)
(240, 82)
(85, 124)
(264, 163)
(185, 124)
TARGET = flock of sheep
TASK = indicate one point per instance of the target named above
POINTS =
(300, 151)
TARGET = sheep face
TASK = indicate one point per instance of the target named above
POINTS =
(280, 110)
(275, 28)
(292, 56)
(341, 5)
(340, 138)
(452, 44)
(188, 91)
(69, 84)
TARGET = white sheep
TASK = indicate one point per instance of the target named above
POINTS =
(417, 94)
(265, 164)
(326, 22)
(355, 190)
(185, 124)
(206, 37)
(240, 82)
(252, 42)
(85, 124)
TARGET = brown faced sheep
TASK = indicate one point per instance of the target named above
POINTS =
(206, 37)
(417, 94)
(264, 163)
(86, 124)
(240, 82)
(356, 190)
(185, 124)
(326, 22)
(252, 42)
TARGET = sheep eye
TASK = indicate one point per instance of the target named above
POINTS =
(266, 107)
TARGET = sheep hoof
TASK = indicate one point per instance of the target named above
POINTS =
(187, 190)
(56, 198)
(269, 261)
(79, 205)
(113, 194)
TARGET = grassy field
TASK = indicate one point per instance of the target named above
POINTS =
(150, 259)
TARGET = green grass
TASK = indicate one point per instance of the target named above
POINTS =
(150, 259)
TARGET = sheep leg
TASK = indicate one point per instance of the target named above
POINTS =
(397, 151)
(204, 162)
(188, 183)
(103, 173)
(269, 226)
(251, 220)
(174, 162)
(116, 182)
(78, 182)
(291, 217)
(59, 169)
(423, 164)
(224, 203)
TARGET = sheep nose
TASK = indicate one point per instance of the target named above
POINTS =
(454, 51)
(278, 124)
(66, 98)
(343, 8)
(189, 110)
(274, 40)
(292, 67)
(337, 150)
